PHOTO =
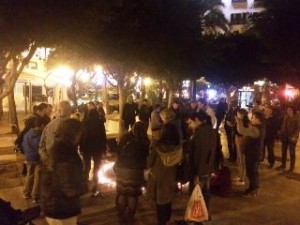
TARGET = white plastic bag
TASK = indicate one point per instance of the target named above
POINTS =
(196, 209)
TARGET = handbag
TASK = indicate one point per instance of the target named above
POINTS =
(196, 209)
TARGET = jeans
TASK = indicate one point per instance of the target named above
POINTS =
(239, 142)
(230, 141)
(32, 180)
(291, 145)
(252, 164)
(269, 145)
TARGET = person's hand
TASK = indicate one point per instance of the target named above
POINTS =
(196, 180)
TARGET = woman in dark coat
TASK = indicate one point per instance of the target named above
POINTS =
(62, 182)
(93, 145)
(165, 155)
(129, 169)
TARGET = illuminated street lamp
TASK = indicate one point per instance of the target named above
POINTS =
(147, 81)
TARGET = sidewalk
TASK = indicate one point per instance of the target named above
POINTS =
(277, 204)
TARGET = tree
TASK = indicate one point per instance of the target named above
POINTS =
(280, 32)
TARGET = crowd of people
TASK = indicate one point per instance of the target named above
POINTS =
(59, 152)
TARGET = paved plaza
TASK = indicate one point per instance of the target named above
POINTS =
(278, 202)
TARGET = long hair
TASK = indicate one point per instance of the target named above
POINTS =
(68, 130)
(245, 119)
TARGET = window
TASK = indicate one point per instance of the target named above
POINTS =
(239, 18)
(32, 65)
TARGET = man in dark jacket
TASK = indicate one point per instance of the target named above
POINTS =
(202, 148)
(145, 113)
(254, 141)
(289, 134)
(271, 132)
(130, 111)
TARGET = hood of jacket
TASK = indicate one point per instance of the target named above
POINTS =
(170, 155)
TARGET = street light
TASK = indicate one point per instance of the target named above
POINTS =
(147, 81)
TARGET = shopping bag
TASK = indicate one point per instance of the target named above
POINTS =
(196, 209)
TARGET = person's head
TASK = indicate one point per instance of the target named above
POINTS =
(202, 103)
(175, 104)
(39, 123)
(257, 103)
(34, 108)
(157, 107)
(257, 118)
(167, 115)
(92, 115)
(268, 111)
(49, 110)
(64, 109)
(99, 105)
(291, 111)
(69, 131)
(129, 99)
(243, 113)
(233, 103)
(139, 131)
(194, 104)
(145, 102)
(41, 109)
(91, 105)
(197, 119)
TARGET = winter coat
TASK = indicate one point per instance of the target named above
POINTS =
(130, 111)
(144, 113)
(163, 161)
(62, 186)
(202, 149)
(271, 128)
(94, 136)
(290, 129)
(132, 153)
(30, 145)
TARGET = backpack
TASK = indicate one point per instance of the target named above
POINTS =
(220, 184)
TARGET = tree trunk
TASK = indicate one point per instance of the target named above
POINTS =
(13, 113)
(142, 94)
(1, 106)
(122, 97)
(106, 97)
(160, 94)
(73, 89)
(170, 97)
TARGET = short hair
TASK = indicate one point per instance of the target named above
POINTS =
(259, 116)
(293, 108)
(42, 106)
(64, 109)
(169, 114)
(34, 108)
(68, 129)
(39, 121)
(91, 103)
(202, 116)
(156, 106)
(203, 101)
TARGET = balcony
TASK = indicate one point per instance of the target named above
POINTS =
(239, 4)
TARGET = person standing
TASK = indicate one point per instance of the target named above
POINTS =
(164, 157)
(145, 113)
(101, 111)
(156, 123)
(129, 169)
(254, 136)
(63, 184)
(221, 112)
(229, 129)
(30, 146)
(130, 111)
(289, 134)
(48, 112)
(63, 112)
(271, 132)
(203, 106)
(202, 150)
(239, 143)
(93, 146)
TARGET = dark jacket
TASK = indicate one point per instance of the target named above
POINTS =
(132, 153)
(62, 187)
(94, 136)
(290, 129)
(130, 111)
(163, 160)
(30, 145)
(272, 127)
(202, 148)
(144, 113)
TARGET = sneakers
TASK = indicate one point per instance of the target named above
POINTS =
(239, 183)
(26, 196)
(35, 200)
(250, 194)
(281, 167)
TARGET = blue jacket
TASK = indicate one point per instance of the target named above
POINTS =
(30, 145)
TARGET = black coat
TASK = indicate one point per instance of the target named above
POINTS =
(62, 186)
(94, 136)
(130, 111)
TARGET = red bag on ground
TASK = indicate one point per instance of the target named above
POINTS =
(220, 184)
(196, 210)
